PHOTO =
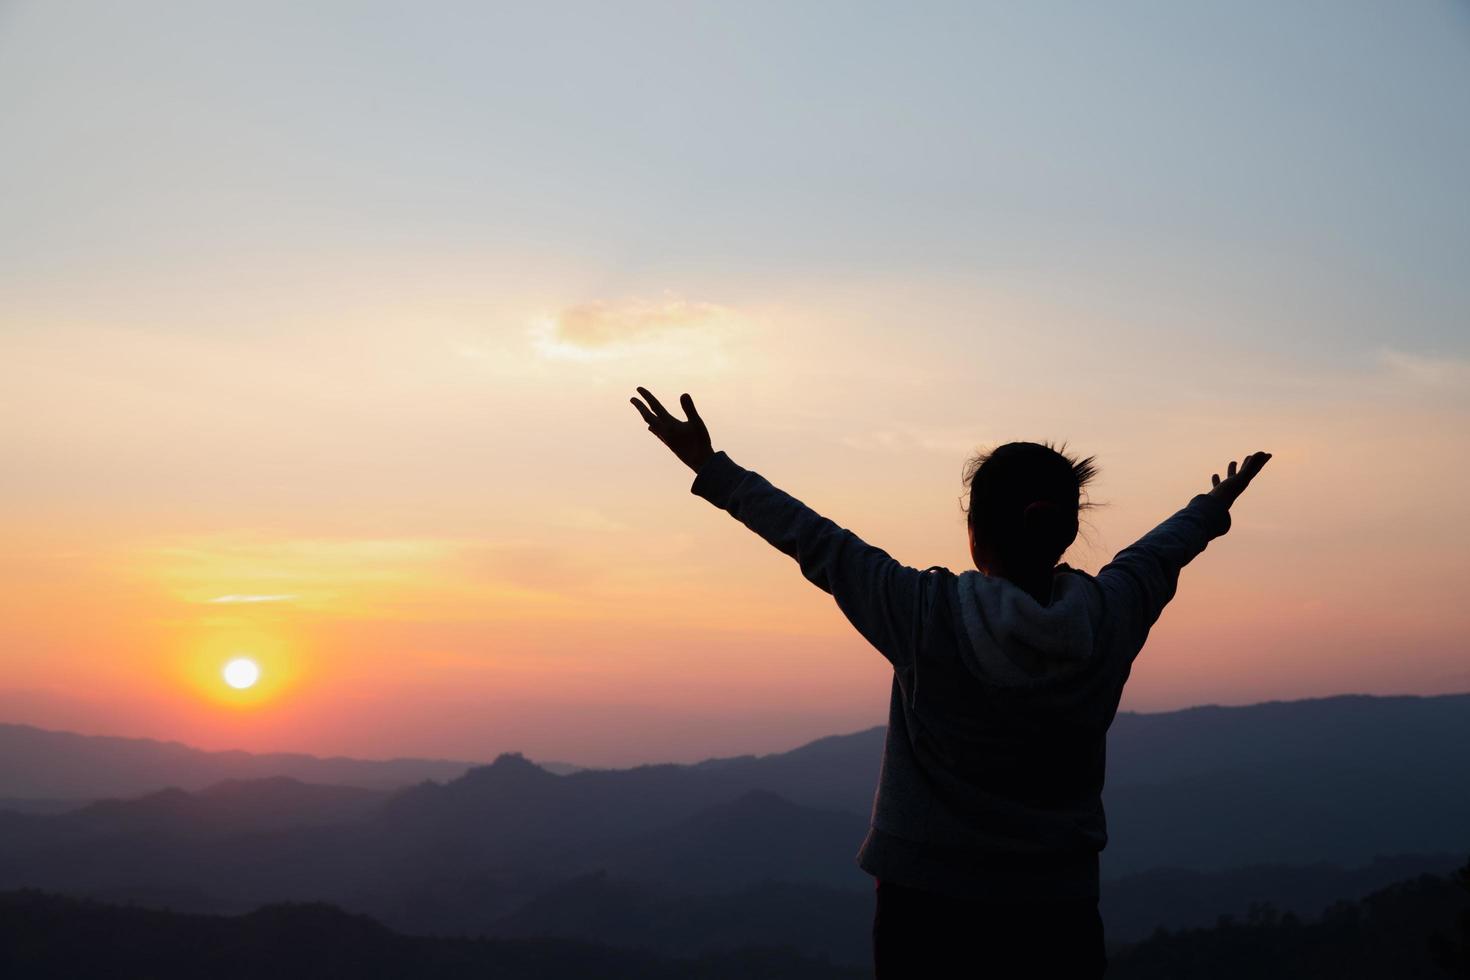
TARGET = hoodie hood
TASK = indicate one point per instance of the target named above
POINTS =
(1014, 641)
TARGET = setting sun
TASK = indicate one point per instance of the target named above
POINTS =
(241, 673)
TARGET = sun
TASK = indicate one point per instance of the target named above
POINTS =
(242, 672)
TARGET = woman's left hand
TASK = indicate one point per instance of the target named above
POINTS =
(688, 440)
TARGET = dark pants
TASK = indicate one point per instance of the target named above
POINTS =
(919, 934)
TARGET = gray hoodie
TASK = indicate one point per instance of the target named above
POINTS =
(992, 770)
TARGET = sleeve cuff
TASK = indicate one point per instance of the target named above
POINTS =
(1216, 514)
(716, 479)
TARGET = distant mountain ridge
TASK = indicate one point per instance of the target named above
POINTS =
(38, 763)
(1208, 808)
(1338, 780)
(1415, 926)
(40, 769)
(57, 936)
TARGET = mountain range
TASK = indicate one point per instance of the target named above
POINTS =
(49, 771)
(1415, 928)
(1210, 810)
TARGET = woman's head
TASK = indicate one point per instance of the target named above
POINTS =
(1024, 503)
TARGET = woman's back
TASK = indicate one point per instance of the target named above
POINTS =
(993, 766)
(990, 788)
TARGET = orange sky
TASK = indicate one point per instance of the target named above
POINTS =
(329, 364)
(458, 539)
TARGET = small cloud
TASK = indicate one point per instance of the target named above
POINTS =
(594, 331)
(379, 578)
(1422, 370)
(251, 598)
(310, 574)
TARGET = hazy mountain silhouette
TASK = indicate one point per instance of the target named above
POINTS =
(1339, 780)
(1419, 928)
(434, 857)
(1334, 779)
(828, 923)
(234, 806)
(1290, 785)
(757, 836)
(16, 804)
(1372, 731)
(143, 848)
(839, 772)
(513, 809)
(51, 936)
(39, 764)
(1416, 928)
(1135, 905)
(1182, 786)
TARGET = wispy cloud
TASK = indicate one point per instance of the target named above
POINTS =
(377, 577)
(1425, 370)
(308, 573)
(595, 331)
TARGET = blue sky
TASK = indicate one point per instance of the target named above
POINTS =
(1302, 161)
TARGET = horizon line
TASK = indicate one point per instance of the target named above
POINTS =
(746, 755)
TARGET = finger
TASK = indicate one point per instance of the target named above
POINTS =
(1214, 479)
(648, 416)
(689, 408)
(657, 405)
(1230, 471)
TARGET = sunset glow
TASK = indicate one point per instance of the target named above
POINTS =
(323, 367)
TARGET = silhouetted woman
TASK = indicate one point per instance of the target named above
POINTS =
(988, 820)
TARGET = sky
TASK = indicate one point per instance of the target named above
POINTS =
(318, 325)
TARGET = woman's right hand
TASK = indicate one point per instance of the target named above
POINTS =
(1235, 483)
(688, 440)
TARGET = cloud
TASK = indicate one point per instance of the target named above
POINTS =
(379, 578)
(1426, 371)
(600, 330)
(309, 573)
